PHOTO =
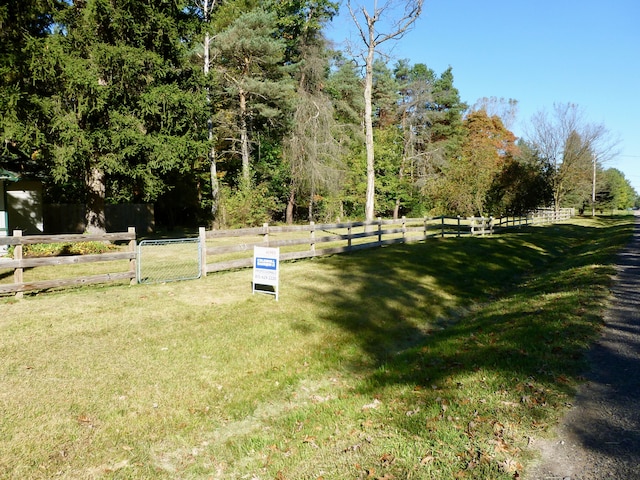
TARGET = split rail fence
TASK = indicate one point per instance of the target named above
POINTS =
(230, 249)
(19, 264)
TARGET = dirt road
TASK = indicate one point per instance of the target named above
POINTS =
(600, 436)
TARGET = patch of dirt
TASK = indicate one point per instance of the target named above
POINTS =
(599, 437)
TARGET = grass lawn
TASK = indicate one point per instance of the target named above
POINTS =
(438, 360)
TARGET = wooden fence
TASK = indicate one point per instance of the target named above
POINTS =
(19, 264)
(229, 249)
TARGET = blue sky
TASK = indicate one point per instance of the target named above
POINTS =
(537, 52)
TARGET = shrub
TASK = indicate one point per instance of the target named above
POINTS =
(67, 248)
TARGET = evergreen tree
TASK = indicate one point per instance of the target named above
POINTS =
(615, 191)
(123, 105)
(257, 86)
(22, 113)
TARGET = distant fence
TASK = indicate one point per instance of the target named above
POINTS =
(230, 249)
(70, 218)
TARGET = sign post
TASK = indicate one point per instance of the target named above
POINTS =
(266, 270)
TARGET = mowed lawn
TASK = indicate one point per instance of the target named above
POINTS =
(428, 361)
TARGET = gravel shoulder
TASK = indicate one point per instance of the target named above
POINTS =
(599, 437)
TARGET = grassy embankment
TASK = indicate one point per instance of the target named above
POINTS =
(437, 360)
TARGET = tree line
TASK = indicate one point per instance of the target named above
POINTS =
(237, 112)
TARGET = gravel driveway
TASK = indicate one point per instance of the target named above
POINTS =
(599, 438)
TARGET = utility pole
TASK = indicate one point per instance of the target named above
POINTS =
(593, 187)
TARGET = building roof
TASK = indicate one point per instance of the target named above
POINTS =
(8, 175)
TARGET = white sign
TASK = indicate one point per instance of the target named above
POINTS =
(266, 270)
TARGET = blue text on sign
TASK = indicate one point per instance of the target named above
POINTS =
(266, 263)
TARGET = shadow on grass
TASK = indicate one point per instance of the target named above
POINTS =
(526, 304)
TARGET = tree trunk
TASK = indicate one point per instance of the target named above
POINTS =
(244, 136)
(369, 210)
(96, 193)
(215, 186)
(213, 169)
(311, 202)
(290, 206)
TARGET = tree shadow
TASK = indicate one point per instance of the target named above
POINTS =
(520, 304)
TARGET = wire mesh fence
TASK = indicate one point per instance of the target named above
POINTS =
(169, 260)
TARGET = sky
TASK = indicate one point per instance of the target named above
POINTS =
(538, 52)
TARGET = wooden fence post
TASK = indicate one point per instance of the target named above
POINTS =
(442, 225)
(17, 255)
(404, 228)
(265, 227)
(425, 228)
(202, 236)
(380, 230)
(349, 228)
(459, 233)
(133, 262)
(312, 240)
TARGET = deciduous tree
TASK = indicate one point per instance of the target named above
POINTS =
(571, 145)
(486, 149)
(397, 17)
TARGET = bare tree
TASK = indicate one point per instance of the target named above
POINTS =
(506, 109)
(312, 148)
(572, 147)
(397, 28)
(206, 8)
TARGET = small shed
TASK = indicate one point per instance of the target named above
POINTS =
(5, 177)
(20, 205)
(24, 206)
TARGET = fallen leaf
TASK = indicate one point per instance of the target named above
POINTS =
(500, 445)
(509, 466)
(373, 405)
(352, 448)
(310, 441)
(427, 459)
(387, 459)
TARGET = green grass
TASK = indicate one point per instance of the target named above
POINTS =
(436, 360)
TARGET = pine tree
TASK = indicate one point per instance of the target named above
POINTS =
(123, 104)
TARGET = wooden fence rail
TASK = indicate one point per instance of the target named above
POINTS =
(229, 249)
(19, 264)
(305, 241)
